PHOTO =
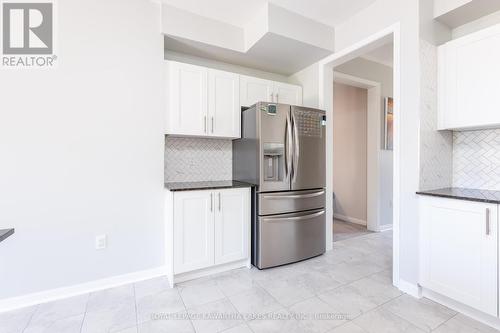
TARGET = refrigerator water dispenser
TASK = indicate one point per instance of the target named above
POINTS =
(274, 159)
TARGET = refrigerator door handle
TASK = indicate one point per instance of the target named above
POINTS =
(288, 149)
(294, 218)
(294, 196)
(296, 150)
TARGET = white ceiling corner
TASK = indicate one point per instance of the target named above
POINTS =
(280, 36)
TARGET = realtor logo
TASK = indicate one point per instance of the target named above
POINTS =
(28, 34)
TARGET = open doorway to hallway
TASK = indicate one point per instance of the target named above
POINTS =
(362, 144)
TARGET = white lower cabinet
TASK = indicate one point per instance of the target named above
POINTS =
(206, 229)
(193, 231)
(459, 251)
(232, 220)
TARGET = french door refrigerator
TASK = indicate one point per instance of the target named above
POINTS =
(282, 152)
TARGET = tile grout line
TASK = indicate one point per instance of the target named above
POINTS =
(185, 308)
(136, 314)
(31, 317)
(85, 312)
(443, 323)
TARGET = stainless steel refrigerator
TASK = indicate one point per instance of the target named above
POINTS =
(282, 152)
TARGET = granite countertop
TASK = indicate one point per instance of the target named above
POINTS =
(209, 185)
(465, 194)
(5, 233)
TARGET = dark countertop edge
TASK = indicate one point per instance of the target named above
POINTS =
(432, 193)
(193, 186)
(5, 233)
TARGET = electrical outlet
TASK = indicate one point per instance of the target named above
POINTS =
(100, 242)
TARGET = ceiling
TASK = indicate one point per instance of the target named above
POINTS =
(240, 12)
(382, 55)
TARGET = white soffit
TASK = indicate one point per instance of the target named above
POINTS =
(383, 55)
(275, 39)
(455, 13)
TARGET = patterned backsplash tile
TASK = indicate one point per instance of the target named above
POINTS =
(476, 159)
(198, 159)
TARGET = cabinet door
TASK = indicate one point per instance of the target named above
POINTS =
(224, 104)
(187, 99)
(193, 230)
(232, 225)
(459, 251)
(472, 79)
(287, 93)
(253, 90)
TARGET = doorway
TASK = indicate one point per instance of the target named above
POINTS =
(326, 69)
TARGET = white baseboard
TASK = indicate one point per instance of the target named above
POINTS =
(464, 309)
(13, 303)
(383, 228)
(211, 271)
(349, 219)
(409, 288)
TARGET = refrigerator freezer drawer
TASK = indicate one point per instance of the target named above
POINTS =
(288, 238)
(290, 201)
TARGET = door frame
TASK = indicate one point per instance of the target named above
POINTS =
(326, 67)
(374, 128)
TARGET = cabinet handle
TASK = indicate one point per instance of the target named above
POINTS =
(205, 124)
(212, 124)
(211, 202)
(277, 98)
(219, 203)
(272, 97)
(487, 221)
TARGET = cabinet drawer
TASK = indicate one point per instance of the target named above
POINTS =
(278, 241)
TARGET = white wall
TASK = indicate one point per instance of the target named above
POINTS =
(350, 153)
(382, 74)
(370, 70)
(189, 59)
(308, 78)
(81, 151)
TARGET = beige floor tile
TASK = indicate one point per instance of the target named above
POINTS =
(423, 313)
(316, 316)
(349, 327)
(15, 321)
(475, 324)
(165, 301)
(254, 301)
(198, 293)
(214, 317)
(348, 300)
(288, 291)
(384, 321)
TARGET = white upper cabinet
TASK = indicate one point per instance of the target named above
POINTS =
(253, 90)
(468, 81)
(205, 102)
(224, 104)
(287, 93)
(187, 99)
(202, 102)
(459, 243)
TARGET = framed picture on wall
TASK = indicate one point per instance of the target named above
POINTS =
(388, 123)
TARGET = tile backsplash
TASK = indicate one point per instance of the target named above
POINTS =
(476, 159)
(197, 159)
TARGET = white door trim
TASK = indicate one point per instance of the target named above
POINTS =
(326, 66)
